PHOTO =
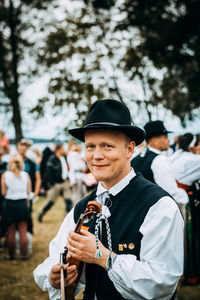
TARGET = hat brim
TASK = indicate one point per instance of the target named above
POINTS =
(135, 133)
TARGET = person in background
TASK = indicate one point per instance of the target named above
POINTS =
(196, 148)
(3, 167)
(186, 168)
(57, 181)
(34, 172)
(30, 166)
(4, 142)
(47, 152)
(16, 186)
(138, 253)
(156, 167)
(34, 155)
(174, 145)
(77, 169)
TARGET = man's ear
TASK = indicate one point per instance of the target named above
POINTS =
(131, 148)
(152, 141)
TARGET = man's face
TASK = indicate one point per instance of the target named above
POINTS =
(108, 155)
(196, 149)
(2, 151)
(162, 142)
(22, 148)
(62, 150)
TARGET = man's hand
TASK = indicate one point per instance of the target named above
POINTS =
(83, 247)
(72, 274)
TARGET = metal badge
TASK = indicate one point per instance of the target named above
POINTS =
(131, 246)
(120, 247)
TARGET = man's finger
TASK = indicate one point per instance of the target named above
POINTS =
(85, 232)
(71, 280)
(74, 236)
(56, 268)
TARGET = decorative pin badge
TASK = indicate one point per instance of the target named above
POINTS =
(125, 245)
(131, 246)
(120, 247)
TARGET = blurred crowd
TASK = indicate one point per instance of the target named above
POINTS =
(62, 171)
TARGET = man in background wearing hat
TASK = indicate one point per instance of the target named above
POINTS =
(134, 248)
(156, 167)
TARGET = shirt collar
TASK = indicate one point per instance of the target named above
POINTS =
(118, 187)
(154, 150)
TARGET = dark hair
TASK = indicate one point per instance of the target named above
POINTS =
(197, 139)
(58, 146)
(185, 140)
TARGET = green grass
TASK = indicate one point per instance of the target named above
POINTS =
(16, 278)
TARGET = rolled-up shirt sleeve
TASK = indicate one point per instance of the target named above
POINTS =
(156, 274)
(56, 246)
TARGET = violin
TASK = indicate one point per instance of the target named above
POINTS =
(92, 209)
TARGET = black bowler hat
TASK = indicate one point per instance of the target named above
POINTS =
(109, 114)
(155, 128)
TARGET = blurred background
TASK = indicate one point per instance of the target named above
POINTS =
(57, 57)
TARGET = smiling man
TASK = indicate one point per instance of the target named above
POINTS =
(108, 153)
(137, 253)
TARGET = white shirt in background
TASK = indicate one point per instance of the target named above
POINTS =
(164, 177)
(16, 185)
(186, 166)
(77, 166)
(64, 168)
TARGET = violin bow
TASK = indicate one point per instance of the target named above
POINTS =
(93, 208)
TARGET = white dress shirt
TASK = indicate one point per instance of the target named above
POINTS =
(164, 177)
(77, 166)
(156, 275)
(64, 168)
(186, 166)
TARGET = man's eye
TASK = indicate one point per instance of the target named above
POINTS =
(90, 147)
(108, 146)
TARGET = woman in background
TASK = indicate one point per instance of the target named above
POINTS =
(186, 168)
(16, 186)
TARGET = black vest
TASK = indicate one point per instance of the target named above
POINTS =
(128, 211)
(31, 172)
(142, 163)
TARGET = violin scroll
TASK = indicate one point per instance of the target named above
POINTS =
(94, 206)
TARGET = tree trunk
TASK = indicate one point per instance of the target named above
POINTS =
(16, 118)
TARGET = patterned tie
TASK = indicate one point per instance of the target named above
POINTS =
(101, 198)
(104, 200)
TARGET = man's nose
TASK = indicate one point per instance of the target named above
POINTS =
(98, 153)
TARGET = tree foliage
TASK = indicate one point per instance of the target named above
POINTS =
(88, 58)
(170, 38)
(145, 53)
(100, 47)
(78, 56)
(18, 22)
